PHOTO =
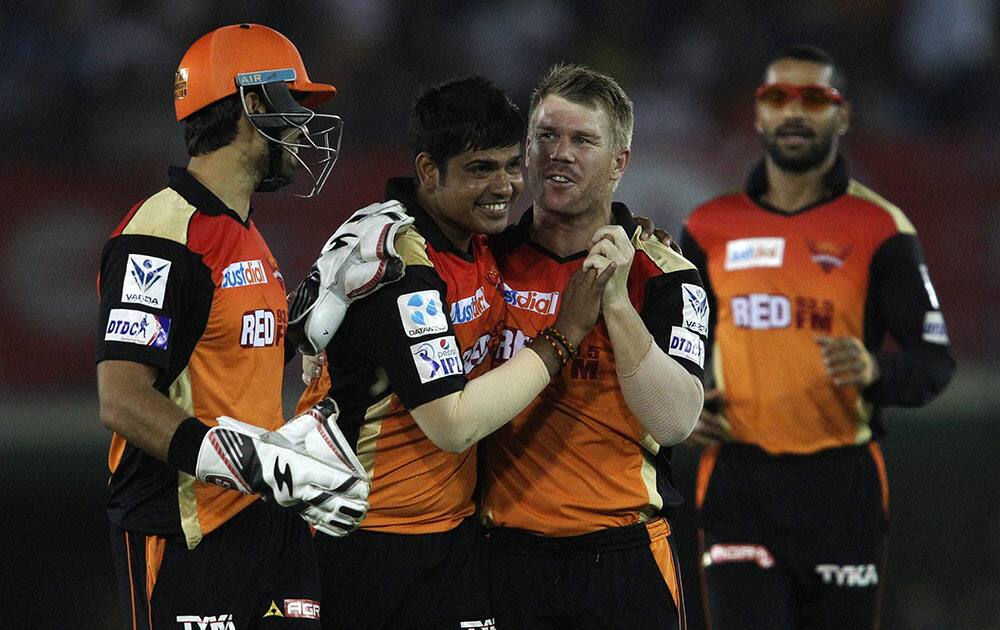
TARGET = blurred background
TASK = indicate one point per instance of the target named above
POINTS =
(88, 129)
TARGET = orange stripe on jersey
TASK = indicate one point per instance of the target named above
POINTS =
(779, 281)
(706, 464)
(883, 478)
(155, 547)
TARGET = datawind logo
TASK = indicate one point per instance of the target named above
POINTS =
(421, 313)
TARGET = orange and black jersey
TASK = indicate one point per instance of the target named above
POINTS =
(188, 287)
(847, 265)
(411, 342)
(577, 460)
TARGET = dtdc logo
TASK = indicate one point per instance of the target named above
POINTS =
(437, 358)
(145, 280)
(422, 313)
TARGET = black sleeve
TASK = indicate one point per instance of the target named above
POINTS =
(675, 312)
(155, 298)
(694, 253)
(902, 302)
(404, 329)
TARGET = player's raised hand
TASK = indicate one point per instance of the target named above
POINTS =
(649, 230)
(711, 428)
(610, 243)
(847, 361)
(306, 466)
(581, 301)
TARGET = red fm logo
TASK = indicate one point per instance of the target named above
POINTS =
(763, 311)
(262, 328)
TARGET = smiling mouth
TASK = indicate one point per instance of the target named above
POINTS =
(495, 208)
(560, 179)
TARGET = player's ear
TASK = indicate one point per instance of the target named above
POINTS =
(253, 103)
(621, 163)
(843, 118)
(427, 171)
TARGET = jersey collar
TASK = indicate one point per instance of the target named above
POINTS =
(835, 181)
(404, 190)
(195, 193)
(521, 232)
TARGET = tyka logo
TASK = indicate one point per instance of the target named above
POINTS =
(210, 622)
(852, 576)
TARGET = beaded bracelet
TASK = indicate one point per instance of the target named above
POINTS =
(559, 336)
(555, 346)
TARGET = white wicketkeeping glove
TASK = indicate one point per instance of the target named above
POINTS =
(357, 260)
(306, 466)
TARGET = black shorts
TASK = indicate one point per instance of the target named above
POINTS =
(622, 577)
(258, 570)
(374, 580)
(792, 541)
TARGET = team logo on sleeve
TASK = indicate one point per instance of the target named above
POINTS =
(687, 345)
(695, 308)
(144, 329)
(934, 330)
(437, 358)
(422, 313)
(145, 280)
(747, 253)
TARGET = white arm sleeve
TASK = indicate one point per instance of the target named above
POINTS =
(457, 421)
(663, 396)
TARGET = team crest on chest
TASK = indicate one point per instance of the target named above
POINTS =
(828, 255)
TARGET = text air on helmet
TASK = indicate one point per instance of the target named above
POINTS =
(233, 59)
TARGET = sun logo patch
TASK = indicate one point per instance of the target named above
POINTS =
(828, 255)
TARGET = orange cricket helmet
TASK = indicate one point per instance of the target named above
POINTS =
(209, 69)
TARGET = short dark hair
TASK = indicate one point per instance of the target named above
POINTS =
(815, 54)
(467, 114)
(579, 84)
(213, 127)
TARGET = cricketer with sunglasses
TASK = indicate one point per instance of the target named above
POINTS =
(808, 273)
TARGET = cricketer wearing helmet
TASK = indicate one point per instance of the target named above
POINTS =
(190, 354)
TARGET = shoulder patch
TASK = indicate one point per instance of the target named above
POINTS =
(860, 191)
(412, 247)
(165, 215)
(665, 258)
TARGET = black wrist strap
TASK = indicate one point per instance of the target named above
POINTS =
(184, 446)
